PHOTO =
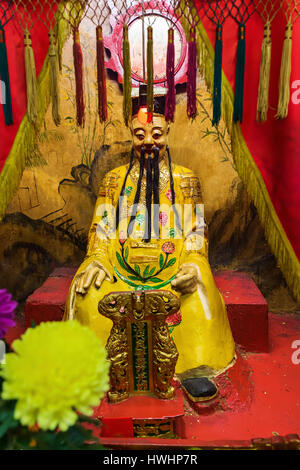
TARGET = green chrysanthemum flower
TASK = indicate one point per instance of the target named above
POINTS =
(57, 368)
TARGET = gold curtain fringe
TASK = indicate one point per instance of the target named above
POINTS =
(264, 76)
(248, 171)
(26, 136)
(31, 85)
(285, 74)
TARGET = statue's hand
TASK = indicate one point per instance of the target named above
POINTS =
(186, 280)
(93, 274)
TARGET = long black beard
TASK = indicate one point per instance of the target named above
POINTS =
(152, 193)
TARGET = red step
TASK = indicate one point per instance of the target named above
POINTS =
(48, 302)
(247, 310)
(246, 307)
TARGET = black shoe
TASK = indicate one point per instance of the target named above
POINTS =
(199, 389)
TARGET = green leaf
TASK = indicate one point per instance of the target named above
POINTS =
(7, 420)
(161, 261)
(171, 262)
(151, 271)
(134, 278)
(126, 253)
(121, 262)
(146, 271)
(76, 436)
(137, 269)
(155, 279)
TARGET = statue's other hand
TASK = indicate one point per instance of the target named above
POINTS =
(186, 279)
(92, 274)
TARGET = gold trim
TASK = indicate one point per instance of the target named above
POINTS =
(150, 308)
(159, 428)
(143, 245)
(163, 178)
(143, 259)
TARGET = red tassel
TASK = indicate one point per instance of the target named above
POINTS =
(78, 65)
(191, 73)
(171, 94)
(101, 77)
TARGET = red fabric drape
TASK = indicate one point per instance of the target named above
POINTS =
(274, 145)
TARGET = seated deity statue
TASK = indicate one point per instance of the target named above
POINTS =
(148, 232)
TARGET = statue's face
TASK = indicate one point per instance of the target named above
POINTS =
(150, 135)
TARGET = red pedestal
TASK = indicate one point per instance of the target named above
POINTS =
(246, 307)
(48, 302)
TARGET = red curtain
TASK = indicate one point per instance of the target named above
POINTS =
(275, 144)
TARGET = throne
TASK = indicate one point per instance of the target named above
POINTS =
(140, 350)
(143, 359)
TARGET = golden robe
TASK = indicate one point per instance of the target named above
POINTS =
(203, 336)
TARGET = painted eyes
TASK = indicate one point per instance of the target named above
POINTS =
(155, 136)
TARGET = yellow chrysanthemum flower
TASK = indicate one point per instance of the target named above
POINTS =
(56, 369)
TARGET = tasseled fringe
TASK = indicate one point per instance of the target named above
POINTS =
(264, 79)
(31, 84)
(127, 85)
(26, 137)
(4, 76)
(150, 72)
(249, 173)
(78, 65)
(206, 67)
(239, 76)
(170, 74)
(54, 78)
(217, 92)
(101, 77)
(191, 76)
(285, 74)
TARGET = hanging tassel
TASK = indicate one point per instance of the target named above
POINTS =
(127, 103)
(4, 76)
(78, 65)
(239, 76)
(264, 78)
(150, 72)
(54, 78)
(170, 73)
(101, 77)
(191, 76)
(285, 74)
(217, 76)
(31, 84)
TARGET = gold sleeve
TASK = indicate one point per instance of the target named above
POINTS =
(103, 223)
(195, 245)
